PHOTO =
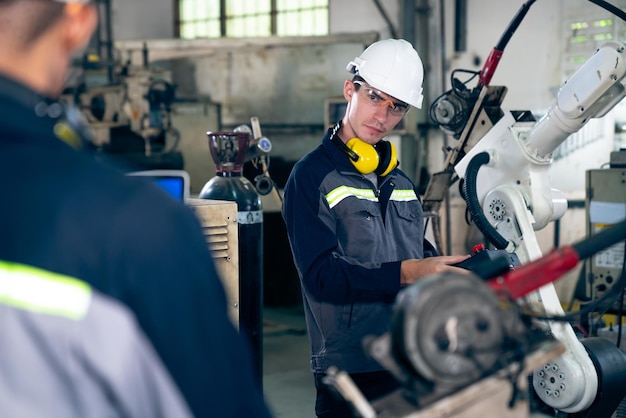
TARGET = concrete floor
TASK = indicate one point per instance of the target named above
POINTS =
(287, 378)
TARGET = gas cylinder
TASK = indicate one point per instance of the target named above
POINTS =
(229, 151)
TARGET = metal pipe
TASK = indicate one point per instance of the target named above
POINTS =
(273, 18)
(442, 25)
(408, 20)
(460, 26)
(383, 13)
(108, 40)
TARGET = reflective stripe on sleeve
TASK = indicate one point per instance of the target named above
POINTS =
(403, 195)
(33, 289)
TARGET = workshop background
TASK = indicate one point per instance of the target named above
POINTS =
(292, 84)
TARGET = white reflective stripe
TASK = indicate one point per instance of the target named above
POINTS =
(403, 195)
(334, 197)
(38, 290)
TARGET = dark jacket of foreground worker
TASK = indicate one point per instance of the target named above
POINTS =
(63, 212)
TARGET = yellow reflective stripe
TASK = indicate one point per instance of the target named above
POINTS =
(38, 290)
(403, 195)
(334, 197)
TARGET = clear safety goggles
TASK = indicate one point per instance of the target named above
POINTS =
(377, 98)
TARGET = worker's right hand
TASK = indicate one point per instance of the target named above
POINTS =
(414, 269)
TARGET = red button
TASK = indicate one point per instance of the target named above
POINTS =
(478, 247)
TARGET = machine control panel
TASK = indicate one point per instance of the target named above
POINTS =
(488, 264)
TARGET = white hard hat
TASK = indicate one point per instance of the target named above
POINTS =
(393, 67)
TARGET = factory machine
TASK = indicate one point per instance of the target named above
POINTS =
(497, 342)
(129, 118)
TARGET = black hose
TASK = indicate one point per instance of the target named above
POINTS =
(601, 240)
(508, 33)
(609, 7)
(473, 205)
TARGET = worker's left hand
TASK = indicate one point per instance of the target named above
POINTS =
(414, 269)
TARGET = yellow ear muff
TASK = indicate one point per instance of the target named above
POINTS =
(368, 157)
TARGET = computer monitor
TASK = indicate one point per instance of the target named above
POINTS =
(174, 182)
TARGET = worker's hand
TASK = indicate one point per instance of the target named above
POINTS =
(414, 269)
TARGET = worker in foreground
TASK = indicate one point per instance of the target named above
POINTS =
(356, 225)
(92, 262)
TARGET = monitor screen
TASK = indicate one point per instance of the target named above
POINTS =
(174, 182)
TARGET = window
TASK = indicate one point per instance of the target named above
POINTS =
(251, 18)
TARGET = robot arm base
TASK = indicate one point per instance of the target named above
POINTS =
(610, 364)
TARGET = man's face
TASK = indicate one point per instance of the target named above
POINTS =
(371, 114)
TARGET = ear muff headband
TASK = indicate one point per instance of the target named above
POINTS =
(354, 157)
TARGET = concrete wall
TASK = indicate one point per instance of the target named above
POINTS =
(142, 19)
(363, 16)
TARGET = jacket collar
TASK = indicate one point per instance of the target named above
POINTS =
(21, 95)
(340, 159)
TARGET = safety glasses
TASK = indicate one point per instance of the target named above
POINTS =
(377, 98)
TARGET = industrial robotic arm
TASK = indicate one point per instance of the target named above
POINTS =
(506, 184)
(521, 152)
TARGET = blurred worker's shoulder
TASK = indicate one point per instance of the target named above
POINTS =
(71, 327)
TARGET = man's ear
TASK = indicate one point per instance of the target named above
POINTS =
(348, 89)
(81, 21)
